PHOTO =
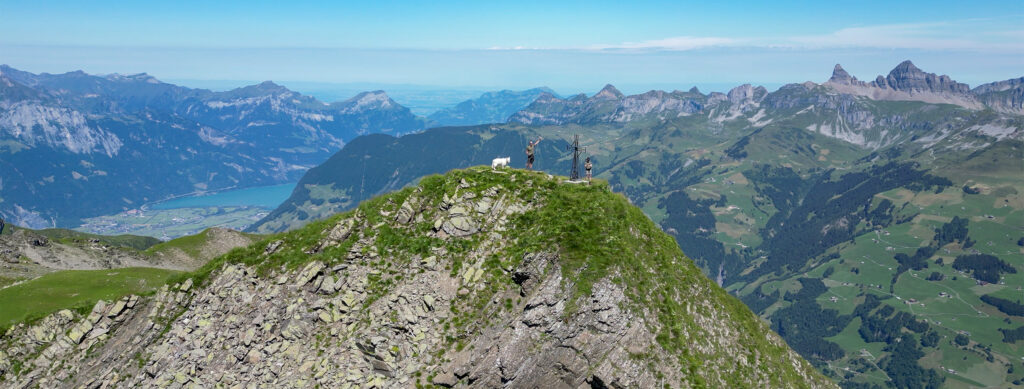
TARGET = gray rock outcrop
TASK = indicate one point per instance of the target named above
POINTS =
(458, 312)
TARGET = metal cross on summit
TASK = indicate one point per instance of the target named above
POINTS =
(576, 151)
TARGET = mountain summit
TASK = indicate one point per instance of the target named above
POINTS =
(377, 99)
(474, 278)
(839, 75)
(907, 82)
(608, 92)
(909, 78)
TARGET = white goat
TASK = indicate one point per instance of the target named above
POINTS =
(500, 162)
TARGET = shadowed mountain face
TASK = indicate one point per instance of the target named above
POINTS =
(378, 164)
(852, 217)
(76, 145)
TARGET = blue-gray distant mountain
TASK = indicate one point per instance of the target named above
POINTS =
(76, 145)
(490, 107)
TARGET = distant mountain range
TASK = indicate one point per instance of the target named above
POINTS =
(905, 83)
(841, 108)
(76, 145)
(491, 107)
(876, 225)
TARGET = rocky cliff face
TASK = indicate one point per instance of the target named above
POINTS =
(908, 78)
(1003, 96)
(472, 279)
(906, 82)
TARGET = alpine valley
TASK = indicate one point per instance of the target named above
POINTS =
(877, 226)
(76, 145)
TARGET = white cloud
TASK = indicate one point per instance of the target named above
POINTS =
(971, 34)
(679, 43)
(961, 35)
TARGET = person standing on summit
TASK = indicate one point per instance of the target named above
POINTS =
(529, 153)
(588, 167)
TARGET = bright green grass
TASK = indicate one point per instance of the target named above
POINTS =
(4, 281)
(173, 223)
(73, 289)
(192, 245)
(127, 241)
(946, 315)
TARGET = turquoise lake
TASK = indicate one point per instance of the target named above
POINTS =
(261, 196)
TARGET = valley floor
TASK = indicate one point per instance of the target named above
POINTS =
(166, 224)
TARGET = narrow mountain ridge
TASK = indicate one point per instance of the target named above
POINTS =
(473, 278)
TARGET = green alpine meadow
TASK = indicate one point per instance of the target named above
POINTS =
(516, 195)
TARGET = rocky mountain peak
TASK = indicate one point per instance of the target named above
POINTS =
(270, 86)
(906, 67)
(907, 82)
(264, 88)
(746, 93)
(609, 92)
(377, 99)
(907, 77)
(471, 278)
(545, 97)
(140, 77)
(839, 75)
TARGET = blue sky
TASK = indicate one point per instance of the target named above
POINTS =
(570, 46)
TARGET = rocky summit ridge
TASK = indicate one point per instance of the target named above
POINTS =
(906, 82)
(472, 278)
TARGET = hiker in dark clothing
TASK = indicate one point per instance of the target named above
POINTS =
(588, 166)
(529, 153)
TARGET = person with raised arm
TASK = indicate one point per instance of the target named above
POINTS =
(529, 152)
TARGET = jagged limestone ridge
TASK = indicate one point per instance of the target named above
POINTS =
(473, 278)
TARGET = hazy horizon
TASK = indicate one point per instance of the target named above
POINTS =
(570, 47)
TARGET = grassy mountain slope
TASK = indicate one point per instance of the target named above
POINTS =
(766, 196)
(75, 289)
(472, 278)
(49, 270)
